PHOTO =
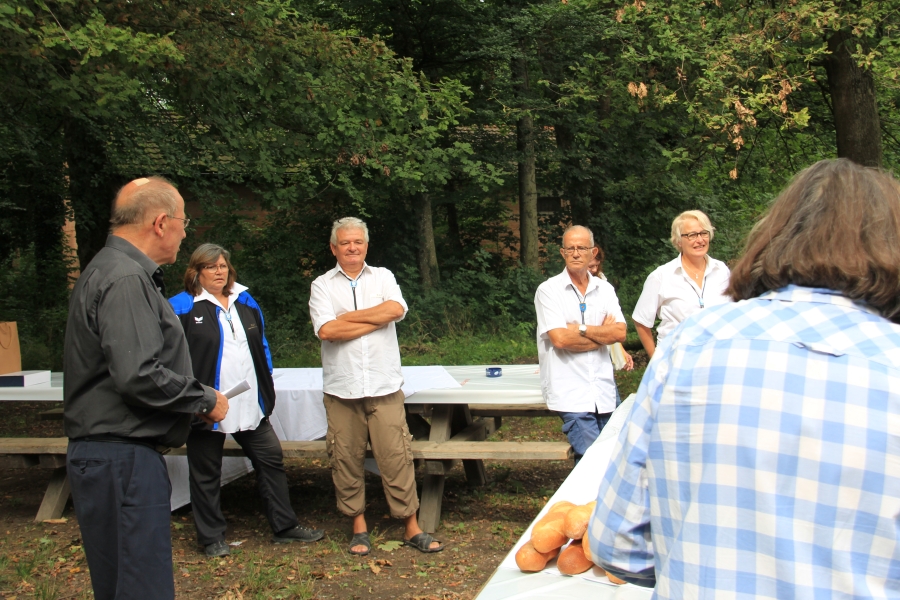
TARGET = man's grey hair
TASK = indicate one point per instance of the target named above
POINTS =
(581, 228)
(349, 223)
(154, 196)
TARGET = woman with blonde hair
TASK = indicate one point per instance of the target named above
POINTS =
(683, 286)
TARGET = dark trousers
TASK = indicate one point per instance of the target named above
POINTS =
(121, 495)
(582, 429)
(261, 445)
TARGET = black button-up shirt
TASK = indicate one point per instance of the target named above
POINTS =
(127, 366)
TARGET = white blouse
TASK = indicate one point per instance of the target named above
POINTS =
(244, 411)
(670, 293)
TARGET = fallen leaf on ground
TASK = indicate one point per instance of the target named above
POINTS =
(55, 521)
(390, 545)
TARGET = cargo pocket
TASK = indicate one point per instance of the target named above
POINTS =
(329, 448)
(407, 444)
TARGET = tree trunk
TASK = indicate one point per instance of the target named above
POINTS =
(428, 264)
(91, 190)
(528, 219)
(856, 120)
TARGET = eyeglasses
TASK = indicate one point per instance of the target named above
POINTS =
(693, 235)
(574, 249)
(215, 268)
(186, 220)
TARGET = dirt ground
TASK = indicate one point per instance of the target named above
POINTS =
(479, 526)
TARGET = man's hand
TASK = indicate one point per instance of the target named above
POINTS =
(629, 362)
(219, 411)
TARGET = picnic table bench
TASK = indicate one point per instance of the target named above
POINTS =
(50, 453)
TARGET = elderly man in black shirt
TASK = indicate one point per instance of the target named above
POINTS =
(129, 393)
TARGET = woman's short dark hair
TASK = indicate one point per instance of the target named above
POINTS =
(207, 254)
(836, 226)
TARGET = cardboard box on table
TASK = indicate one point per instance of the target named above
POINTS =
(10, 353)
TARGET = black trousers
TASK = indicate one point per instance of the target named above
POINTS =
(261, 445)
(121, 496)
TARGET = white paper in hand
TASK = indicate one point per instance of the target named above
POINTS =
(240, 388)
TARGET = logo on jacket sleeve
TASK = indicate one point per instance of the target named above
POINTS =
(198, 320)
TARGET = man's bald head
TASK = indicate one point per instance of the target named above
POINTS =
(142, 198)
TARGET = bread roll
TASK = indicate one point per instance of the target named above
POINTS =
(615, 579)
(562, 505)
(548, 533)
(586, 546)
(572, 560)
(530, 560)
(577, 520)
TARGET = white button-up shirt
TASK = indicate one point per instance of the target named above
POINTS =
(368, 365)
(670, 293)
(575, 381)
(244, 412)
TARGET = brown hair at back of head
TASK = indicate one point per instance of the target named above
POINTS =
(836, 226)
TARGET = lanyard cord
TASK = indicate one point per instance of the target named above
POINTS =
(581, 303)
(702, 292)
(353, 283)
(228, 318)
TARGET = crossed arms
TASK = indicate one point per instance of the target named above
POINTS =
(357, 323)
(609, 332)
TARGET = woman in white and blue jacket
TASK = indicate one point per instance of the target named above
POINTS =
(225, 331)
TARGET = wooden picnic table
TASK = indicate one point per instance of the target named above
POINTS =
(461, 418)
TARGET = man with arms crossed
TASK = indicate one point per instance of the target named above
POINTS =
(353, 308)
(761, 458)
(129, 393)
(577, 317)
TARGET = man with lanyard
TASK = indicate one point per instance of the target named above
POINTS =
(353, 308)
(129, 393)
(577, 317)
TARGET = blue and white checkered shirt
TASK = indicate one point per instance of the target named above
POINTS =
(762, 456)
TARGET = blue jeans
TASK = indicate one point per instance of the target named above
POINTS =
(582, 429)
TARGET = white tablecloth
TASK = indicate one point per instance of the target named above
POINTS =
(580, 487)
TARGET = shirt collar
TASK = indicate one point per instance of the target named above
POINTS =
(130, 250)
(566, 281)
(796, 293)
(338, 269)
(236, 290)
(123, 245)
(711, 263)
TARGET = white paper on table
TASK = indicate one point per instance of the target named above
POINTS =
(240, 388)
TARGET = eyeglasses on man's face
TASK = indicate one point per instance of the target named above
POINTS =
(186, 221)
(215, 268)
(694, 234)
(575, 249)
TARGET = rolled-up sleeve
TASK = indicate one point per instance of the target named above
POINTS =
(321, 308)
(128, 325)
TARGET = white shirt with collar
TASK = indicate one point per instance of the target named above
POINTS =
(670, 293)
(244, 412)
(575, 381)
(368, 365)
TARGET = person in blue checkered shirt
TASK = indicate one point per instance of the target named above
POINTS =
(761, 458)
